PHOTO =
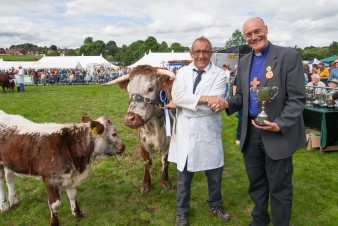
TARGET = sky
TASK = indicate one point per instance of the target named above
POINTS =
(66, 23)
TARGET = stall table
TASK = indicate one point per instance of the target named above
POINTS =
(325, 120)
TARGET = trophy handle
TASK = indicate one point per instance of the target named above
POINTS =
(252, 91)
(274, 89)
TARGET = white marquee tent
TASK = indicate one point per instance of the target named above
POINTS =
(81, 62)
(161, 59)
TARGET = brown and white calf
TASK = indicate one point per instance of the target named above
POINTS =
(59, 154)
(143, 84)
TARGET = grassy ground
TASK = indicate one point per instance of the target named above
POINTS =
(20, 57)
(111, 193)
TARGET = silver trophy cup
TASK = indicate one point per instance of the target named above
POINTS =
(264, 94)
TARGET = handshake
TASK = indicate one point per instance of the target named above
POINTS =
(217, 103)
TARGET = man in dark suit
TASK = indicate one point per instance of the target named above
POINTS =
(267, 149)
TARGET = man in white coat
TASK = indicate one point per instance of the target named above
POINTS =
(196, 143)
(21, 79)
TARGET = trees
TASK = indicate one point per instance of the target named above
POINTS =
(112, 48)
(93, 48)
(53, 47)
(127, 55)
(71, 52)
(177, 47)
(237, 38)
(53, 53)
(333, 48)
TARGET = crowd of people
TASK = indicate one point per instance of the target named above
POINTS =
(54, 76)
(323, 80)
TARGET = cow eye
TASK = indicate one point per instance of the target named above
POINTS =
(114, 134)
(151, 89)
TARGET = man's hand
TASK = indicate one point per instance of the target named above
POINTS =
(270, 126)
(171, 105)
(217, 103)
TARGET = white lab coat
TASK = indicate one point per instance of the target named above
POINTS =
(21, 76)
(197, 130)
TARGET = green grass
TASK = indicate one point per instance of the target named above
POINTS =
(111, 193)
(20, 57)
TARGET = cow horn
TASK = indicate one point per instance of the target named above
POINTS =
(117, 81)
(166, 72)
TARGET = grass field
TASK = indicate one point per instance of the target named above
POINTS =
(111, 193)
(20, 57)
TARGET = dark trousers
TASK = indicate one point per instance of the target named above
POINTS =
(239, 124)
(268, 178)
(184, 179)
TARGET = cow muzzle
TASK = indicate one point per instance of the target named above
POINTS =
(120, 149)
(133, 120)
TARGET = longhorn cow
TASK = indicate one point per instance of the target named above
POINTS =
(143, 84)
(59, 154)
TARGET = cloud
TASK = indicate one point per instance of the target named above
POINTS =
(66, 23)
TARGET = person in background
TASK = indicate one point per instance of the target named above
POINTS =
(229, 73)
(314, 69)
(334, 96)
(196, 142)
(21, 79)
(333, 83)
(267, 150)
(307, 73)
(334, 70)
(323, 72)
(315, 81)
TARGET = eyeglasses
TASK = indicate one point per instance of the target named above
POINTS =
(204, 52)
(256, 32)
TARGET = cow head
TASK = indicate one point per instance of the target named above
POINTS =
(143, 84)
(107, 141)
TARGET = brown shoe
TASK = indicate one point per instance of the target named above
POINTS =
(220, 213)
(181, 220)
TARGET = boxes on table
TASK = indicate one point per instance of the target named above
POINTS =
(312, 139)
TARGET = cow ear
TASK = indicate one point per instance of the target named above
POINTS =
(86, 119)
(97, 128)
(166, 83)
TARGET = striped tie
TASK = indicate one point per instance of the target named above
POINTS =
(198, 79)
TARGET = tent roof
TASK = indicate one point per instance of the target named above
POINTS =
(329, 59)
(313, 61)
(58, 62)
(9, 64)
(161, 59)
(84, 61)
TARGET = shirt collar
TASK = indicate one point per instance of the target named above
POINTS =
(263, 52)
(205, 69)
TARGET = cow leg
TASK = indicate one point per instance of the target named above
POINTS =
(54, 202)
(71, 192)
(145, 188)
(164, 177)
(10, 180)
(4, 204)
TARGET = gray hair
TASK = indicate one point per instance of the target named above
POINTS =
(201, 39)
(315, 76)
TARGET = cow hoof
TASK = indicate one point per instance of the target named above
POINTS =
(14, 202)
(79, 216)
(167, 186)
(4, 206)
(145, 189)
